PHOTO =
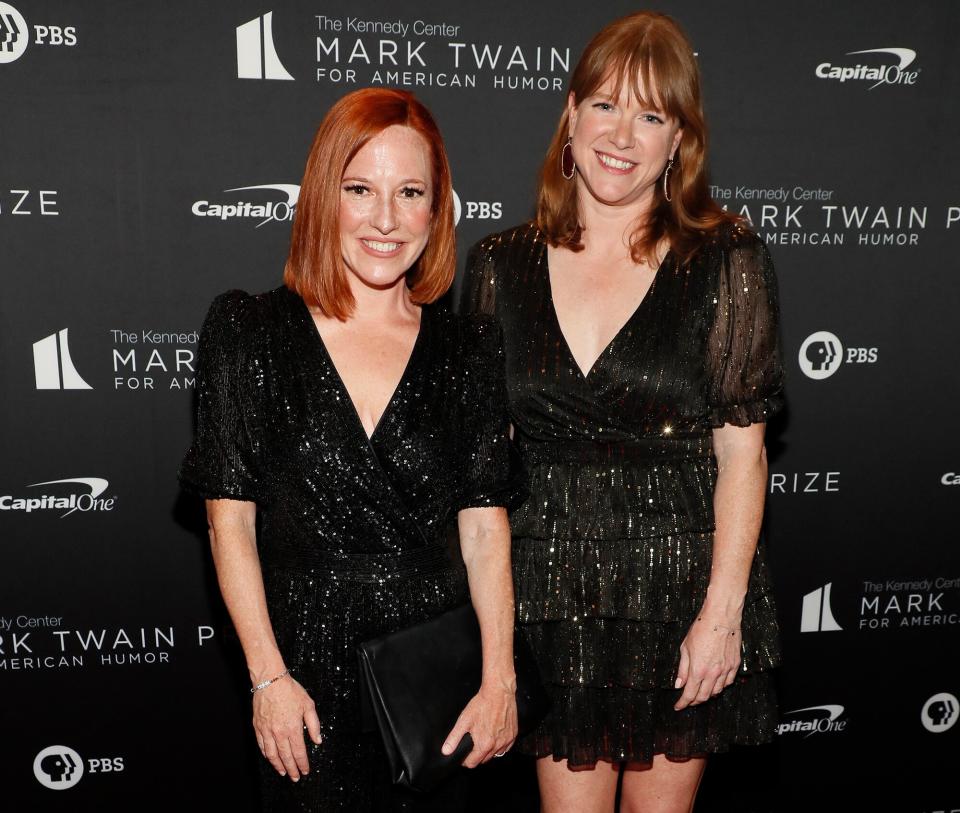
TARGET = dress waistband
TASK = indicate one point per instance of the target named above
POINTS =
(369, 567)
(642, 450)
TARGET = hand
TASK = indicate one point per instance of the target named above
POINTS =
(280, 713)
(491, 720)
(709, 660)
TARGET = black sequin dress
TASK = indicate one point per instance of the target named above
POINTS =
(355, 539)
(612, 550)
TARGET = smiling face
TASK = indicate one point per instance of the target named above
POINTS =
(386, 197)
(620, 145)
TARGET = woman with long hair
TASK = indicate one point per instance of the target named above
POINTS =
(642, 358)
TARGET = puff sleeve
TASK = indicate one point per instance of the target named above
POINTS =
(491, 466)
(745, 368)
(221, 462)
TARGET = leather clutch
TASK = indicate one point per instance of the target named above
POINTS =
(416, 681)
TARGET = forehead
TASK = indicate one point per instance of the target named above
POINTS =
(626, 85)
(397, 149)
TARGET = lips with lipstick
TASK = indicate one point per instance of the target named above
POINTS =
(611, 162)
(378, 248)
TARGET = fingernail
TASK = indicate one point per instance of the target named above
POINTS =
(677, 683)
(283, 773)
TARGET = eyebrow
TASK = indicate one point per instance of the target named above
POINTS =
(365, 180)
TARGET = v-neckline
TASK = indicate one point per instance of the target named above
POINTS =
(351, 407)
(586, 376)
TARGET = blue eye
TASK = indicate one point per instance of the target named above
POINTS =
(603, 106)
(650, 117)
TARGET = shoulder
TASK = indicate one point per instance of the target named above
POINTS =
(237, 316)
(510, 242)
(735, 246)
(474, 333)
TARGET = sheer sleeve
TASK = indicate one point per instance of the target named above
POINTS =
(478, 289)
(220, 463)
(491, 468)
(744, 364)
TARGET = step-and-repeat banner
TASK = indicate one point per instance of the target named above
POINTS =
(150, 156)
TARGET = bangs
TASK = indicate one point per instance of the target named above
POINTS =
(631, 64)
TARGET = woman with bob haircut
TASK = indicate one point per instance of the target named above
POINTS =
(354, 422)
(642, 358)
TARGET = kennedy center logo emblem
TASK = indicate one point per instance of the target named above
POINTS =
(53, 366)
(14, 34)
(256, 55)
(817, 615)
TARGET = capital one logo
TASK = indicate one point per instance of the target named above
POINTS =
(939, 713)
(880, 75)
(14, 35)
(817, 615)
(58, 767)
(256, 54)
(52, 366)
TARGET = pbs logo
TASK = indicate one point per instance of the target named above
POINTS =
(822, 353)
(939, 713)
(58, 767)
(476, 209)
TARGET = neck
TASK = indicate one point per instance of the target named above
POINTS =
(605, 226)
(381, 304)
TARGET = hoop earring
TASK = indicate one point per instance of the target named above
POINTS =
(566, 160)
(666, 175)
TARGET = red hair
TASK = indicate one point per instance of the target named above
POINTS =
(649, 51)
(314, 267)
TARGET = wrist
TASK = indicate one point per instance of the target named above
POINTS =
(501, 681)
(265, 670)
(724, 605)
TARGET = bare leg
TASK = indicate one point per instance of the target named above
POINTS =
(666, 786)
(576, 791)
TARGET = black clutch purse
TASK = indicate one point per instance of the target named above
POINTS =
(415, 683)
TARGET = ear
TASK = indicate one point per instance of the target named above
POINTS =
(677, 138)
(571, 113)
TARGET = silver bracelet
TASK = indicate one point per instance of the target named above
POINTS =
(266, 683)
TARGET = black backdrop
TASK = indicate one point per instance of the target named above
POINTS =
(130, 135)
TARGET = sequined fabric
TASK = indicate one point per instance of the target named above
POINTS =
(355, 538)
(612, 550)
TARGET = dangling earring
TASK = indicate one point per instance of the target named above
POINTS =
(666, 175)
(566, 160)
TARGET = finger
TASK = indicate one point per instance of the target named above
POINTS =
(730, 677)
(689, 696)
(718, 685)
(453, 738)
(299, 750)
(259, 742)
(286, 757)
(706, 687)
(312, 722)
(684, 670)
(482, 751)
(272, 754)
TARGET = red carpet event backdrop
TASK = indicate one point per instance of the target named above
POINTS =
(150, 155)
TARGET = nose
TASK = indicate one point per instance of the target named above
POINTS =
(622, 135)
(384, 218)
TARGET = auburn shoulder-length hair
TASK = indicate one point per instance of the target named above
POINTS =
(648, 51)
(314, 267)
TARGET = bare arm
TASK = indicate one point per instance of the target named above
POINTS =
(281, 710)
(710, 654)
(491, 717)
